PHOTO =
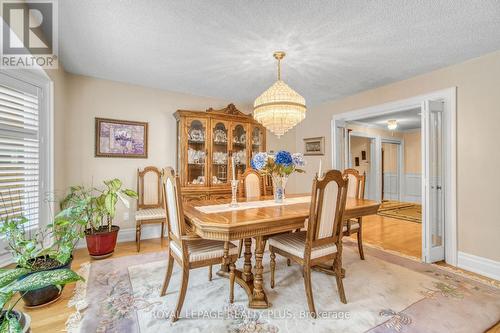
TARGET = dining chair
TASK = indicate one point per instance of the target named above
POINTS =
(251, 186)
(322, 241)
(355, 190)
(186, 248)
(150, 208)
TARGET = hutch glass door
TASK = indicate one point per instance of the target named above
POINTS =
(258, 144)
(196, 152)
(239, 147)
(220, 148)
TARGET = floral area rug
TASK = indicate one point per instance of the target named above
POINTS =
(385, 293)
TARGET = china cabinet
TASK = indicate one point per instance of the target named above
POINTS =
(206, 141)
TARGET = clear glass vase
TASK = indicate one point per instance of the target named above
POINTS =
(279, 184)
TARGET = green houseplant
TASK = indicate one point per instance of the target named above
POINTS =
(97, 207)
(43, 249)
(13, 281)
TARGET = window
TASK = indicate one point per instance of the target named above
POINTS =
(22, 166)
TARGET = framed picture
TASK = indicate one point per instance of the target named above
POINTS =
(356, 161)
(314, 146)
(363, 155)
(121, 138)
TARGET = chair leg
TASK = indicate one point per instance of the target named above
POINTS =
(337, 264)
(162, 233)
(360, 245)
(170, 266)
(210, 273)
(138, 236)
(182, 293)
(308, 286)
(273, 267)
(231, 282)
(240, 247)
(360, 241)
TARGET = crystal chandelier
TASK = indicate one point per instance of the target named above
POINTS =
(392, 124)
(279, 108)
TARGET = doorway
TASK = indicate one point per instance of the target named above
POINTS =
(374, 145)
(438, 165)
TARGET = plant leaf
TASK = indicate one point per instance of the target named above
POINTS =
(43, 279)
(11, 325)
(5, 297)
(130, 193)
(9, 275)
(110, 203)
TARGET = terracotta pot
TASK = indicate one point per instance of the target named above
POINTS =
(101, 244)
(23, 318)
(46, 295)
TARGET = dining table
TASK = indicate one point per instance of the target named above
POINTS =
(257, 219)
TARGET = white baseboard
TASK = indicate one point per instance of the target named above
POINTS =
(149, 231)
(479, 265)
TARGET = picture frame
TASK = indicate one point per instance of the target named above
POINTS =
(314, 146)
(363, 155)
(121, 138)
(356, 161)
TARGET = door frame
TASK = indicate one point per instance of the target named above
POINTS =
(450, 129)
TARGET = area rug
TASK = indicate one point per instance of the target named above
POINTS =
(385, 293)
(401, 211)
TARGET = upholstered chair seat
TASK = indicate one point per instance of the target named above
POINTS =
(294, 243)
(353, 225)
(150, 214)
(203, 249)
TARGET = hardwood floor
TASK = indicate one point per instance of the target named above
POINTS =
(392, 234)
(52, 318)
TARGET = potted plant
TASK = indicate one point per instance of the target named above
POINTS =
(98, 208)
(16, 280)
(45, 249)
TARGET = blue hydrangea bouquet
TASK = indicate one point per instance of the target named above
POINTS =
(279, 166)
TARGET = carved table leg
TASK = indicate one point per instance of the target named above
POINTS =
(247, 266)
(259, 298)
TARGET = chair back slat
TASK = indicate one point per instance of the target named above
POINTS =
(149, 188)
(328, 200)
(250, 184)
(357, 181)
(173, 206)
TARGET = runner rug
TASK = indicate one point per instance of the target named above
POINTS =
(385, 293)
(402, 211)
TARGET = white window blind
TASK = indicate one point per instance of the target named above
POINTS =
(19, 150)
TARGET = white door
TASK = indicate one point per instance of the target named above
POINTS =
(432, 181)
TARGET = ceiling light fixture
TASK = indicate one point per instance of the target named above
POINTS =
(392, 124)
(279, 108)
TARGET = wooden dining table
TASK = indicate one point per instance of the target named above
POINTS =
(258, 223)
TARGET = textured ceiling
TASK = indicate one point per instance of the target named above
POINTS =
(407, 120)
(224, 48)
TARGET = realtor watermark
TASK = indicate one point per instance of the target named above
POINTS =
(29, 36)
(248, 314)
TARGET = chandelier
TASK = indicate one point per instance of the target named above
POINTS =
(392, 124)
(279, 108)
